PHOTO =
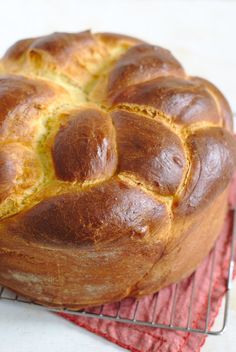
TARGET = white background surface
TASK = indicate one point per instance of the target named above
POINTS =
(201, 35)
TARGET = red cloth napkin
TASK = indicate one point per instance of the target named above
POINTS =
(145, 339)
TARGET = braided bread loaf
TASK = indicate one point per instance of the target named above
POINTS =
(114, 168)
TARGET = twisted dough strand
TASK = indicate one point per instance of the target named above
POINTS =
(127, 65)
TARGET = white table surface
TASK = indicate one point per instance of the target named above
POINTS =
(202, 36)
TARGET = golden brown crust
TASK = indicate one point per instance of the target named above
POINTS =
(23, 102)
(185, 101)
(112, 212)
(221, 102)
(85, 149)
(114, 168)
(57, 277)
(115, 39)
(19, 170)
(142, 63)
(213, 152)
(17, 50)
(71, 53)
(191, 240)
(159, 162)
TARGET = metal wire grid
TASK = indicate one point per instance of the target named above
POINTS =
(6, 294)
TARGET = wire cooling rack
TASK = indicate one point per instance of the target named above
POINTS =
(6, 294)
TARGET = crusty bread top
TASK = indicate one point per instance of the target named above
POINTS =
(104, 135)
